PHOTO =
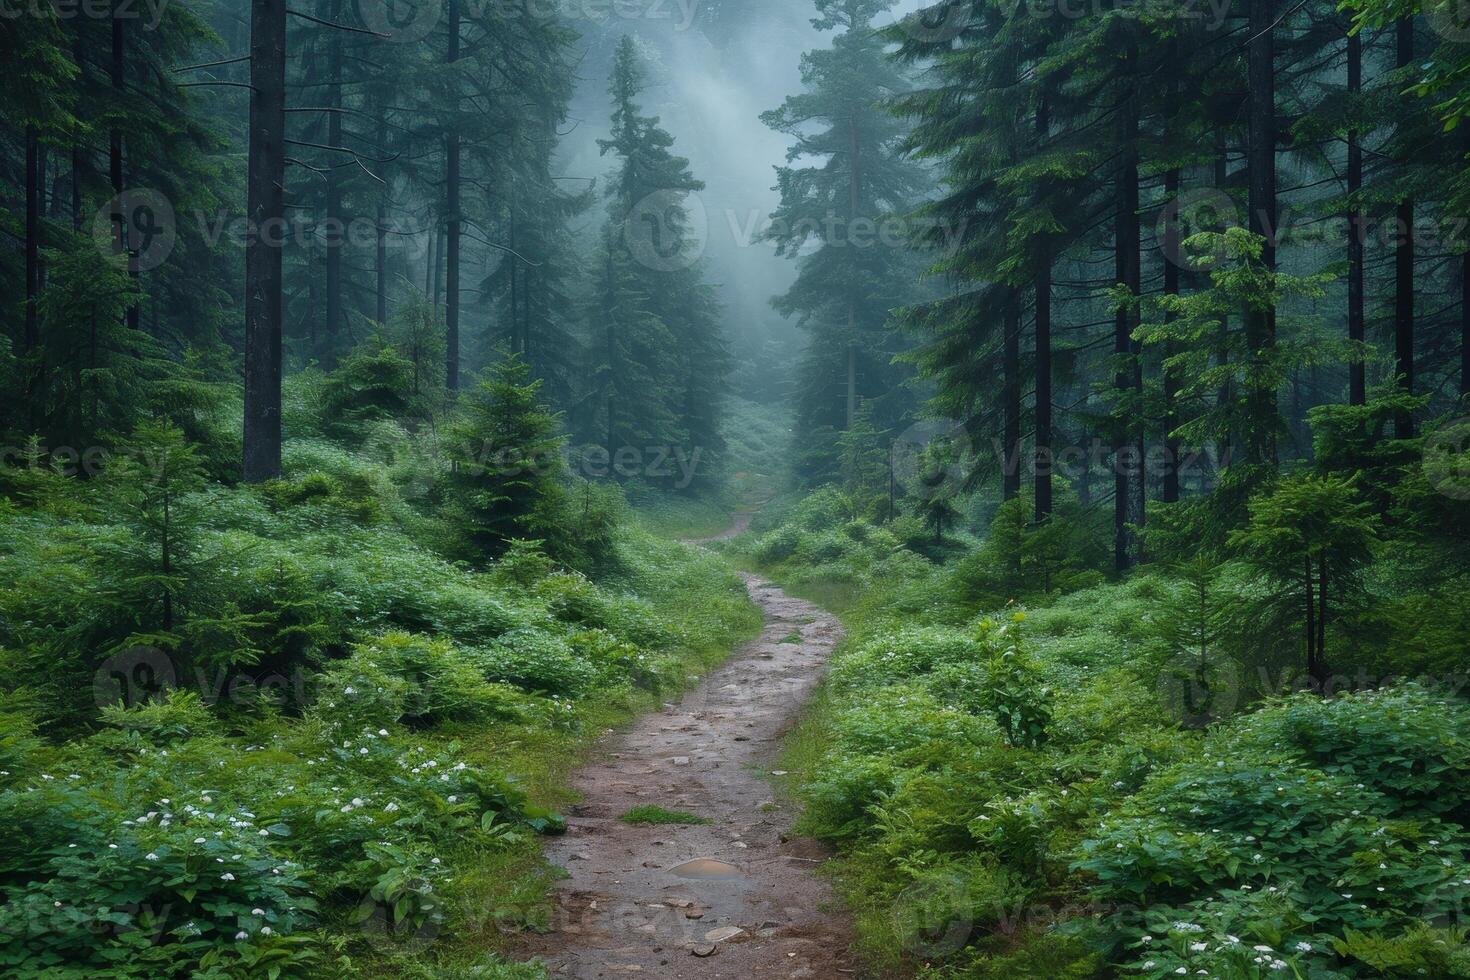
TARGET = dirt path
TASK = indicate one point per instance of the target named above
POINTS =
(739, 521)
(736, 897)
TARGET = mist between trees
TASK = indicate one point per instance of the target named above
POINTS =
(1102, 366)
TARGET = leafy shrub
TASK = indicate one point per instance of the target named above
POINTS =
(1410, 743)
(534, 660)
(147, 895)
(179, 715)
(439, 682)
(902, 653)
(1017, 694)
(327, 495)
(1266, 844)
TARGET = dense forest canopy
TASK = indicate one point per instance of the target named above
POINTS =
(1101, 367)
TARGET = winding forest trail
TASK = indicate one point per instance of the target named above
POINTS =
(732, 898)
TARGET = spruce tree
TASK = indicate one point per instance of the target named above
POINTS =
(831, 220)
(663, 357)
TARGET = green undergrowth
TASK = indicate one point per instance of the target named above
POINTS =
(333, 750)
(1029, 782)
(679, 517)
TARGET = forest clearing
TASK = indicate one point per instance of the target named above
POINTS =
(811, 489)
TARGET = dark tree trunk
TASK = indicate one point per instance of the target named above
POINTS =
(1126, 262)
(79, 58)
(380, 258)
(1044, 461)
(1465, 325)
(168, 570)
(452, 216)
(1465, 299)
(854, 184)
(1357, 373)
(55, 186)
(1226, 395)
(1403, 264)
(1309, 591)
(1169, 491)
(381, 265)
(1321, 675)
(336, 237)
(118, 72)
(34, 177)
(76, 187)
(516, 342)
(1084, 474)
(439, 238)
(265, 201)
(1261, 323)
(1011, 397)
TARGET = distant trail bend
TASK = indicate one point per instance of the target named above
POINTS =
(740, 521)
(732, 898)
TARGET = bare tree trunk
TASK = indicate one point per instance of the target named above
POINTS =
(1465, 297)
(1126, 268)
(33, 239)
(1044, 461)
(1169, 492)
(76, 187)
(121, 243)
(336, 238)
(381, 264)
(452, 215)
(1261, 324)
(265, 181)
(1011, 397)
(1226, 394)
(1403, 315)
(1465, 325)
(854, 184)
(380, 258)
(1357, 373)
(1321, 676)
(516, 342)
(77, 147)
(1308, 591)
(438, 270)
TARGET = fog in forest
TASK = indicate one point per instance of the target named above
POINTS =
(773, 489)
